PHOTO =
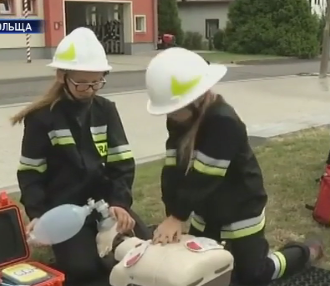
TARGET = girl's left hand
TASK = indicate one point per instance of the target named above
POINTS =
(125, 222)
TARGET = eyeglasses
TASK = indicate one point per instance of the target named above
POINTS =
(83, 86)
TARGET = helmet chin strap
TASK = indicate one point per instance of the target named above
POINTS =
(194, 112)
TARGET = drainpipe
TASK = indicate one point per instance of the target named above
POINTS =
(155, 22)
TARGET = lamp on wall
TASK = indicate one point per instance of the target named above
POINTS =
(58, 25)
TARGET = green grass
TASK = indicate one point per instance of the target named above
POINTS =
(223, 57)
(290, 165)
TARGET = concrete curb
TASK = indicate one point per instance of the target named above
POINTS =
(50, 77)
(276, 61)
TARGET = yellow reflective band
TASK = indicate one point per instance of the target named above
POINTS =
(61, 137)
(197, 222)
(68, 55)
(99, 133)
(208, 170)
(40, 169)
(243, 232)
(62, 141)
(99, 137)
(120, 157)
(235, 230)
(180, 89)
(170, 161)
(279, 262)
(170, 157)
(210, 166)
(28, 164)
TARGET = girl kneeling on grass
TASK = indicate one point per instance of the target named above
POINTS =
(211, 171)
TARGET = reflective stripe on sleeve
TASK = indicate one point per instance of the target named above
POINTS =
(279, 263)
(99, 133)
(61, 137)
(210, 166)
(197, 222)
(244, 227)
(28, 164)
(170, 159)
(235, 230)
(119, 153)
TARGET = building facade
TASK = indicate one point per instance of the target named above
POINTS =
(203, 16)
(207, 16)
(318, 6)
(122, 26)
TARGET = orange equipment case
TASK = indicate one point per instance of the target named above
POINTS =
(13, 246)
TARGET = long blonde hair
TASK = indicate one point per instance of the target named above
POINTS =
(187, 143)
(49, 98)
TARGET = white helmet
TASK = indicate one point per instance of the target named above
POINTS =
(81, 51)
(176, 77)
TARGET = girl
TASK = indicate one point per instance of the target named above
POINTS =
(211, 172)
(74, 148)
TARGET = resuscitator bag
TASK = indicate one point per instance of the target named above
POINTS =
(59, 224)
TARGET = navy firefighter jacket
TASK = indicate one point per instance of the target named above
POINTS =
(72, 152)
(224, 186)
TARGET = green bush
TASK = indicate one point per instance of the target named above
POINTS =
(278, 27)
(169, 21)
(192, 41)
(218, 40)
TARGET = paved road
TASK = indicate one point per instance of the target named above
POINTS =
(118, 82)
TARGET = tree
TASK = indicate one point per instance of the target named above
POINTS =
(278, 27)
(168, 19)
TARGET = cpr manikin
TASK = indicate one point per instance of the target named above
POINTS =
(192, 262)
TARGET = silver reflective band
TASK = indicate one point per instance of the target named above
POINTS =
(32, 162)
(59, 133)
(234, 230)
(211, 161)
(119, 149)
(279, 263)
(99, 129)
(244, 223)
(29, 164)
(171, 153)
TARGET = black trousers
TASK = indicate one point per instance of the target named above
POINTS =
(78, 258)
(253, 262)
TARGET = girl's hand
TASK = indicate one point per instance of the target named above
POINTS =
(125, 222)
(170, 230)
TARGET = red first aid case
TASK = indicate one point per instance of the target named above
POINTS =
(15, 266)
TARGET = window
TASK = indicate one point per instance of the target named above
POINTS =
(211, 26)
(140, 23)
(31, 4)
(6, 7)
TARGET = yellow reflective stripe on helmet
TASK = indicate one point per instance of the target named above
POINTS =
(182, 88)
(210, 166)
(170, 157)
(61, 137)
(235, 230)
(279, 262)
(68, 55)
(119, 153)
(99, 133)
(29, 164)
